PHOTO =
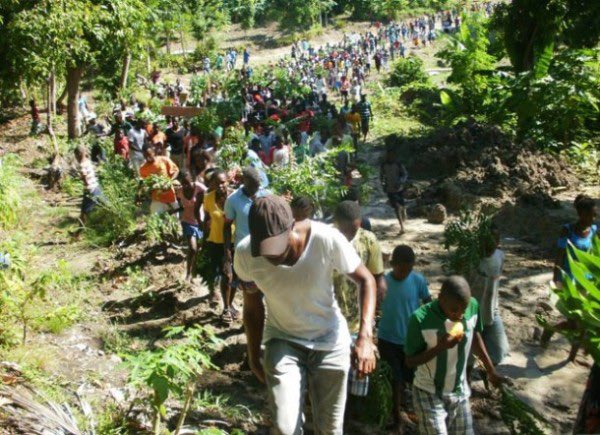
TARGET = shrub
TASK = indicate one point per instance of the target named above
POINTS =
(407, 71)
(172, 370)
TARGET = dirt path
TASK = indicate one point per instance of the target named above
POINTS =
(126, 312)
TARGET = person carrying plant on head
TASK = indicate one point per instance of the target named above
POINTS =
(214, 206)
(237, 208)
(393, 176)
(573, 237)
(439, 338)
(191, 196)
(406, 291)
(92, 193)
(163, 199)
(305, 336)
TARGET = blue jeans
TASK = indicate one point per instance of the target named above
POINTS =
(495, 340)
(289, 369)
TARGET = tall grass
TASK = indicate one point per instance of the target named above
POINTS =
(11, 192)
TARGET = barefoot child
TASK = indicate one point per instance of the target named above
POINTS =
(190, 196)
(393, 176)
(406, 291)
(439, 339)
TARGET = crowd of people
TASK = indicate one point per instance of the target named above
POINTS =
(324, 286)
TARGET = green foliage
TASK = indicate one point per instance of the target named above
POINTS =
(11, 204)
(407, 71)
(560, 110)
(162, 227)
(531, 30)
(72, 186)
(469, 235)
(172, 370)
(519, 416)
(393, 9)
(207, 121)
(233, 150)
(23, 301)
(316, 177)
(115, 217)
(299, 14)
(579, 298)
(479, 92)
(377, 406)
(208, 15)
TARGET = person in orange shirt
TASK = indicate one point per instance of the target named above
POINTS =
(162, 200)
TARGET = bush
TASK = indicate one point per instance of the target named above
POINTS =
(407, 71)
(205, 48)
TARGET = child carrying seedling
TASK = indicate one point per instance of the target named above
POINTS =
(406, 291)
(439, 339)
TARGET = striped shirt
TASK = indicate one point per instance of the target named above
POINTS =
(88, 175)
(444, 375)
(364, 108)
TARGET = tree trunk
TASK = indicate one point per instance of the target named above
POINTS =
(125, 70)
(148, 62)
(182, 40)
(73, 80)
(168, 37)
(61, 97)
(52, 96)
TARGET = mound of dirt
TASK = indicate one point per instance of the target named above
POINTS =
(472, 160)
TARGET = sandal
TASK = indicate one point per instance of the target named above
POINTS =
(227, 317)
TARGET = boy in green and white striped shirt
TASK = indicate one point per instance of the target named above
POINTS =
(438, 342)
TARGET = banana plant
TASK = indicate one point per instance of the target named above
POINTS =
(579, 298)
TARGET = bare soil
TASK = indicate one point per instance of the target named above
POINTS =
(80, 356)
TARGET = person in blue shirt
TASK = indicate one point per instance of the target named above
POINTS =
(406, 291)
(578, 236)
(237, 209)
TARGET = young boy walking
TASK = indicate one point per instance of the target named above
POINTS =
(438, 342)
(406, 291)
(393, 176)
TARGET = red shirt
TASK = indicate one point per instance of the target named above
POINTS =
(304, 125)
(122, 147)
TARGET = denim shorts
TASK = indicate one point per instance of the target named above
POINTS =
(190, 230)
(90, 200)
(393, 354)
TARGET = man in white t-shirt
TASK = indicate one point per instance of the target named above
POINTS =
(305, 336)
